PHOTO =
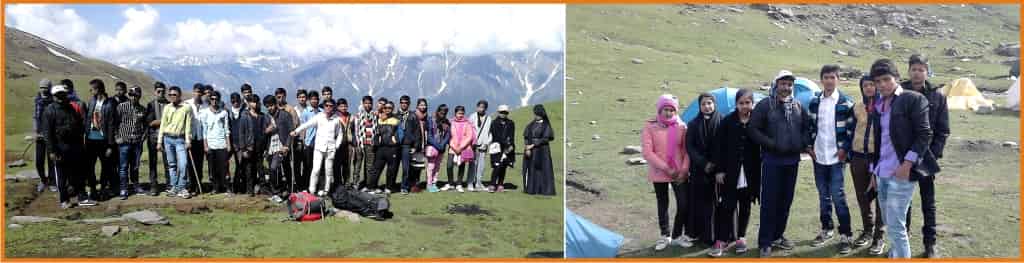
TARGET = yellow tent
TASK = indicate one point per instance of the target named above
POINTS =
(961, 94)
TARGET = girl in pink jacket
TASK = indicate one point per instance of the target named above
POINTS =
(664, 148)
(460, 150)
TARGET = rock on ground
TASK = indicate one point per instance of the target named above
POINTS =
(632, 149)
(636, 161)
(31, 219)
(147, 217)
(14, 226)
(637, 61)
(348, 215)
(110, 231)
(71, 239)
(103, 220)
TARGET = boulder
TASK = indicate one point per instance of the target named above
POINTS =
(985, 110)
(595, 137)
(1008, 50)
(348, 215)
(14, 226)
(839, 52)
(147, 217)
(1009, 144)
(16, 163)
(886, 45)
(103, 220)
(636, 61)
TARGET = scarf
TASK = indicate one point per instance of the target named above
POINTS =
(672, 124)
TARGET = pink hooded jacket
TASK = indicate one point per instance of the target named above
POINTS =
(463, 133)
(655, 143)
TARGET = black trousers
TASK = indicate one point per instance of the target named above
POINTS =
(661, 194)
(250, 171)
(195, 166)
(462, 171)
(302, 182)
(732, 214)
(218, 169)
(154, 156)
(385, 155)
(66, 175)
(44, 166)
(108, 179)
(927, 186)
(298, 152)
(235, 183)
(343, 168)
(498, 175)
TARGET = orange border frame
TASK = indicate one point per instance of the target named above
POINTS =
(3, 100)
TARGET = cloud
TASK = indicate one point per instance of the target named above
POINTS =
(137, 34)
(53, 22)
(310, 31)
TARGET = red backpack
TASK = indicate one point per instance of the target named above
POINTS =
(304, 206)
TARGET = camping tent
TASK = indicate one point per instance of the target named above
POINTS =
(725, 102)
(804, 90)
(584, 239)
(961, 94)
(1013, 96)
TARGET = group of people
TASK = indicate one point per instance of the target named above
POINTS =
(276, 148)
(718, 166)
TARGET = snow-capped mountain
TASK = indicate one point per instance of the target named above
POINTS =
(517, 79)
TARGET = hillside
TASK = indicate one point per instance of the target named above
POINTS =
(30, 58)
(622, 57)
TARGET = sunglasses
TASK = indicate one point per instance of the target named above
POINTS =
(172, 95)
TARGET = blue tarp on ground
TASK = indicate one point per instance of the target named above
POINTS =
(584, 239)
(725, 102)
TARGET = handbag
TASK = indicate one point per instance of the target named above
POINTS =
(419, 159)
(494, 148)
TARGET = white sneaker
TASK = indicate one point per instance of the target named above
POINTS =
(459, 189)
(387, 191)
(682, 241)
(470, 188)
(480, 186)
(446, 188)
(662, 243)
(321, 193)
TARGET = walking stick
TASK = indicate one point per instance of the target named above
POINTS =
(195, 171)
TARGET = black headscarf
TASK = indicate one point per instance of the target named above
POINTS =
(539, 111)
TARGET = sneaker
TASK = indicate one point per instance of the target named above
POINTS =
(765, 252)
(480, 187)
(845, 244)
(863, 239)
(387, 191)
(404, 192)
(823, 237)
(184, 194)
(319, 193)
(364, 190)
(276, 199)
(877, 247)
(459, 189)
(741, 245)
(471, 188)
(124, 195)
(432, 188)
(65, 205)
(501, 189)
(40, 187)
(683, 242)
(87, 202)
(53, 188)
(153, 193)
(171, 191)
(662, 243)
(138, 190)
(716, 250)
(783, 243)
(490, 189)
(446, 188)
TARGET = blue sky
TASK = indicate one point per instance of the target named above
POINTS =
(122, 32)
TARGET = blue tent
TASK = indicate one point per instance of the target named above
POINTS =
(725, 102)
(584, 239)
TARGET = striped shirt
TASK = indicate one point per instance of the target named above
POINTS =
(176, 121)
(132, 127)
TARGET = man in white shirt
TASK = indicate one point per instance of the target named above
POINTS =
(831, 112)
(325, 144)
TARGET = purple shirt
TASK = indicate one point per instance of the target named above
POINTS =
(888, 160)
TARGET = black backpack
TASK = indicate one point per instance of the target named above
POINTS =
(365, 204)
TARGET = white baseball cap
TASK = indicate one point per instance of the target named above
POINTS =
(502, 108)
(58, 89)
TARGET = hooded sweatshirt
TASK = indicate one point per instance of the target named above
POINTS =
(656, 138)
(862, 144)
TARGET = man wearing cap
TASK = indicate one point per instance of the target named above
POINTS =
(64, 129)
(781, 126)
(130, 132)
(482, 122)
(154, 112)
(44, 165)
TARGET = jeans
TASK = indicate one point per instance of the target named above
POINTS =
(870, 212)
(927, 184)
(661, 194)
(278, 174)
(218, 159)
(476, 169)
(778, 184)
(894, 195)
(154, 156)
(829, 181)
(177, 161)
(130, 154)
